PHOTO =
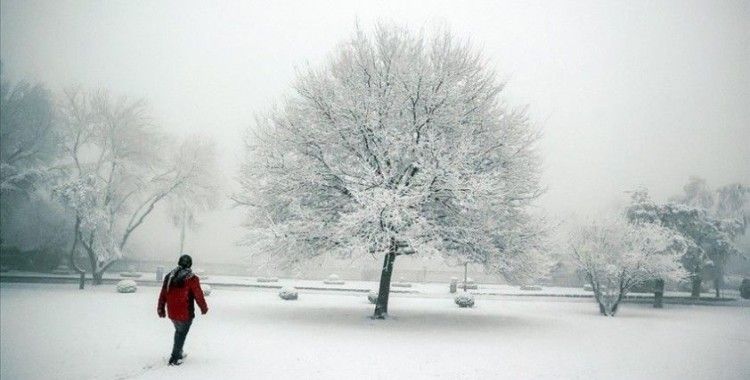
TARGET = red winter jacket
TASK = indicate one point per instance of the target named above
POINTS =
(179, 296)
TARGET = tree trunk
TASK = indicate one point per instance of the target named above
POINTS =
(603, 307)
(97, 277)
(99, 273)
(658, 293)
(598, 297)
(92, 263)
(466, 274)
(718, 281)
(182, 236)
(72, 258)
(616, 304)
(381, 307)
(696, 290)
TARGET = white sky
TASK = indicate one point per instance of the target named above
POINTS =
(629, 93)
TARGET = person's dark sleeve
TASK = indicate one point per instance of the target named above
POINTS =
(162, 298)
(198, 293)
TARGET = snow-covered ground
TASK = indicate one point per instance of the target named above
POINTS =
(57, 331)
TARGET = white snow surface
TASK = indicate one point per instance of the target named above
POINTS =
(57, 331)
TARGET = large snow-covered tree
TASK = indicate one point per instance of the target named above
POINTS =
(399, 144)
(616, 255)
(118, 168)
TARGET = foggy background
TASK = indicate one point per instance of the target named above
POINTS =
(627, 93)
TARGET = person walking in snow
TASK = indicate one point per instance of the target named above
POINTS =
(180, 289)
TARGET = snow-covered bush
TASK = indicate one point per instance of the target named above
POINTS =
(372, 296)
(464, 300)
(127, 286)
(333, 280)
(267, 279)
(206, 289)
(288, 293)
(531, 287)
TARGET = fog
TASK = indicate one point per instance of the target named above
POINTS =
(628, 94)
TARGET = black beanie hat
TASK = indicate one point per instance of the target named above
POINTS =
(185, 261)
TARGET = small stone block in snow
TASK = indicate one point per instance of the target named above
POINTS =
(267, 279)
(127, 286)
(531, 287)
(333, 280)
(464, 300)
(401, 284)
(289, 294)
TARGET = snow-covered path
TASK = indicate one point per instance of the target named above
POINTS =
(56, 331)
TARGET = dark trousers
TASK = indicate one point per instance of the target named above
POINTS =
(181, 329)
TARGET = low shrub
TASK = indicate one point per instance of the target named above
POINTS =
(45, 260)
(288, 293)
(745, 289)
(127, 286)
(206, 289)
(464, 300)
(12, 258)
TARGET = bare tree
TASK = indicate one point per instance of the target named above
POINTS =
(399, 145)
(197, 156)
(119, 168)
